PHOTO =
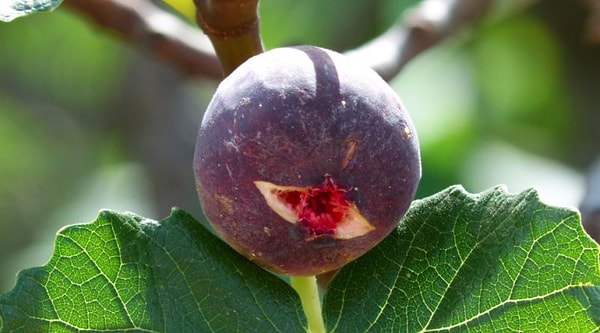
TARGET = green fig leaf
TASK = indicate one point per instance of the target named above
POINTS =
(12, 9)
(459, 262)
(127, 273)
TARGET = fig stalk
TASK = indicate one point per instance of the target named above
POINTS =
(306, 287)
(233, 29)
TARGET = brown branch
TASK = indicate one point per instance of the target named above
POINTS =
(424, 26)
(184, 47)
(152, 29)
(232, 26)
(593, 22)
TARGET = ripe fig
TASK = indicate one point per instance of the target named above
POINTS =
(304, 160)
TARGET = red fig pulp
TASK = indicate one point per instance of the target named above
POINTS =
(321, 210)
(304, 161)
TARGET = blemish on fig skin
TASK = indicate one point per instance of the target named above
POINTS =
(229, 171)
(351, 146)
(244, 101)
(406, 133)
(225, 203)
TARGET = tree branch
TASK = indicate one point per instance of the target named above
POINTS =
(168, 38)
(593, 22)
(423, 26)
(152, 29)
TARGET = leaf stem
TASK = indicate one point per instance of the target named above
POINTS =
(307, 289)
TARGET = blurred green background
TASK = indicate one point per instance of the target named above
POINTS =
(87, 122)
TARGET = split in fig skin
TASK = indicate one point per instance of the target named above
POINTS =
(304, 160)
(321, 211)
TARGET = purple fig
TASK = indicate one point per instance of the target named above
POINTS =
(305, 160)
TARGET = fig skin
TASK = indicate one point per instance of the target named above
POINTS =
(290, 116)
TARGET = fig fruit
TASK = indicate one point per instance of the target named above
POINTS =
(304, 160)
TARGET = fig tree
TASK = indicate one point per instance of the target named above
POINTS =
(304, 160)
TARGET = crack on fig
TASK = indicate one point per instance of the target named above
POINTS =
(323, 210)
(351, 146)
